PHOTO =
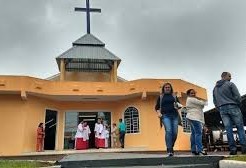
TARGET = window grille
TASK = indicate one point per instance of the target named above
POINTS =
(185, 123)
(131, 119)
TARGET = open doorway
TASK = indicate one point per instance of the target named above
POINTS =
(72, 119)
(50, 129)
(91, 119)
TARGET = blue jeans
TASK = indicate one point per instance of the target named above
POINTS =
(196, 136)
(170, 123)
(231, 114)
(122, 138)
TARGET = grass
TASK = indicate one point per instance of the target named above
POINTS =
(21, 164)
(237, 158)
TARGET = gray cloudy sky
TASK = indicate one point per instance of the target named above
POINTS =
(194, 40)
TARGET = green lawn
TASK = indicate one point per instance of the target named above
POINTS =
(20, 164)
(238, 158)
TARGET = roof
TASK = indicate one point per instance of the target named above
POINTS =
(88, 54)
(88, 39)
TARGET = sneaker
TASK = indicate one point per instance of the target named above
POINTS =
(233, 152)
(194, 153)
(202, 153)
(243, 150)
(170, 154)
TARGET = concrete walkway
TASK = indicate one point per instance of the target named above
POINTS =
(139, 160)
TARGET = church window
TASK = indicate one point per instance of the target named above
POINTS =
(131, 119)
(185, 123)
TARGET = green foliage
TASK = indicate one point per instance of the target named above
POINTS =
(237, 158)
(19, 164)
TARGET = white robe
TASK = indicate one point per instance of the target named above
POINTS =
(79, 133)
(100, 132)
(86, 132)
(106, 135)
(96, 130)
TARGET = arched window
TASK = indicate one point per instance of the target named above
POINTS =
(131, 119)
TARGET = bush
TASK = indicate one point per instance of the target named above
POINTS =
(19, 164)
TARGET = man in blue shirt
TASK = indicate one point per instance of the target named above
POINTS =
(122, 131)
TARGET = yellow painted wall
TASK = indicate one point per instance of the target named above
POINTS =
(86, 76)
(12, 124)
(19, 117)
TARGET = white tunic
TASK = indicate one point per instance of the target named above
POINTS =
(106, 135)
(100, 133)
(96, 130)
(86, 132)
(79, 133)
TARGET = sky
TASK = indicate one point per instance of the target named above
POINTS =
(193, 40)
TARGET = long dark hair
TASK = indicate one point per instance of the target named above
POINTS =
(165, 84)
(188, 92)
(40, 124)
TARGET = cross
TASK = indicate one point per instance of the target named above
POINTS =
(88, 10)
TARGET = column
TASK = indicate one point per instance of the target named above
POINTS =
(62, 70)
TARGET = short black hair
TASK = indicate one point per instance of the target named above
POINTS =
(224, 74)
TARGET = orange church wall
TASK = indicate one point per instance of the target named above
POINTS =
(12, 125)
(19, 120)
(21, 113)
(35, 110)
(85, 77)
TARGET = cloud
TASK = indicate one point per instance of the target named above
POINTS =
(194, 40)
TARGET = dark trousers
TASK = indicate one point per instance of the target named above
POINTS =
(122, 138)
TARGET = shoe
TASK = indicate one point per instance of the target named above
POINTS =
(243, 150)
(194, 153)
(202, 153)
(170, 154)
(233, 152)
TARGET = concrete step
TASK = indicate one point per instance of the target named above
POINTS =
(138, 160)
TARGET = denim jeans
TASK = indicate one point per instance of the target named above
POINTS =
(196, 136)
(231, 114)
(170, 123)
(122, 138)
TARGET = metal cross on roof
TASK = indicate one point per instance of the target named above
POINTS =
(88, 10)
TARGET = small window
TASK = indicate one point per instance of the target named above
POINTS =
(185, 123)
(131, 119)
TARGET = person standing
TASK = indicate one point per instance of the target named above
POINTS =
(86, 133)
(114, 135)
(40, 138)
(195, 116)
(227, 101)
(100, 135)
(79, 137)
(106, 135)
(166, 108)
(96, 131)
(122, 131)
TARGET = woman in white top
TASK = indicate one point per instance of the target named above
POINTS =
(195, 117)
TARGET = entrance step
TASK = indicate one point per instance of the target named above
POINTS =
(138, 160)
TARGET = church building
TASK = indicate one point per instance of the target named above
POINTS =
(86, 87)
